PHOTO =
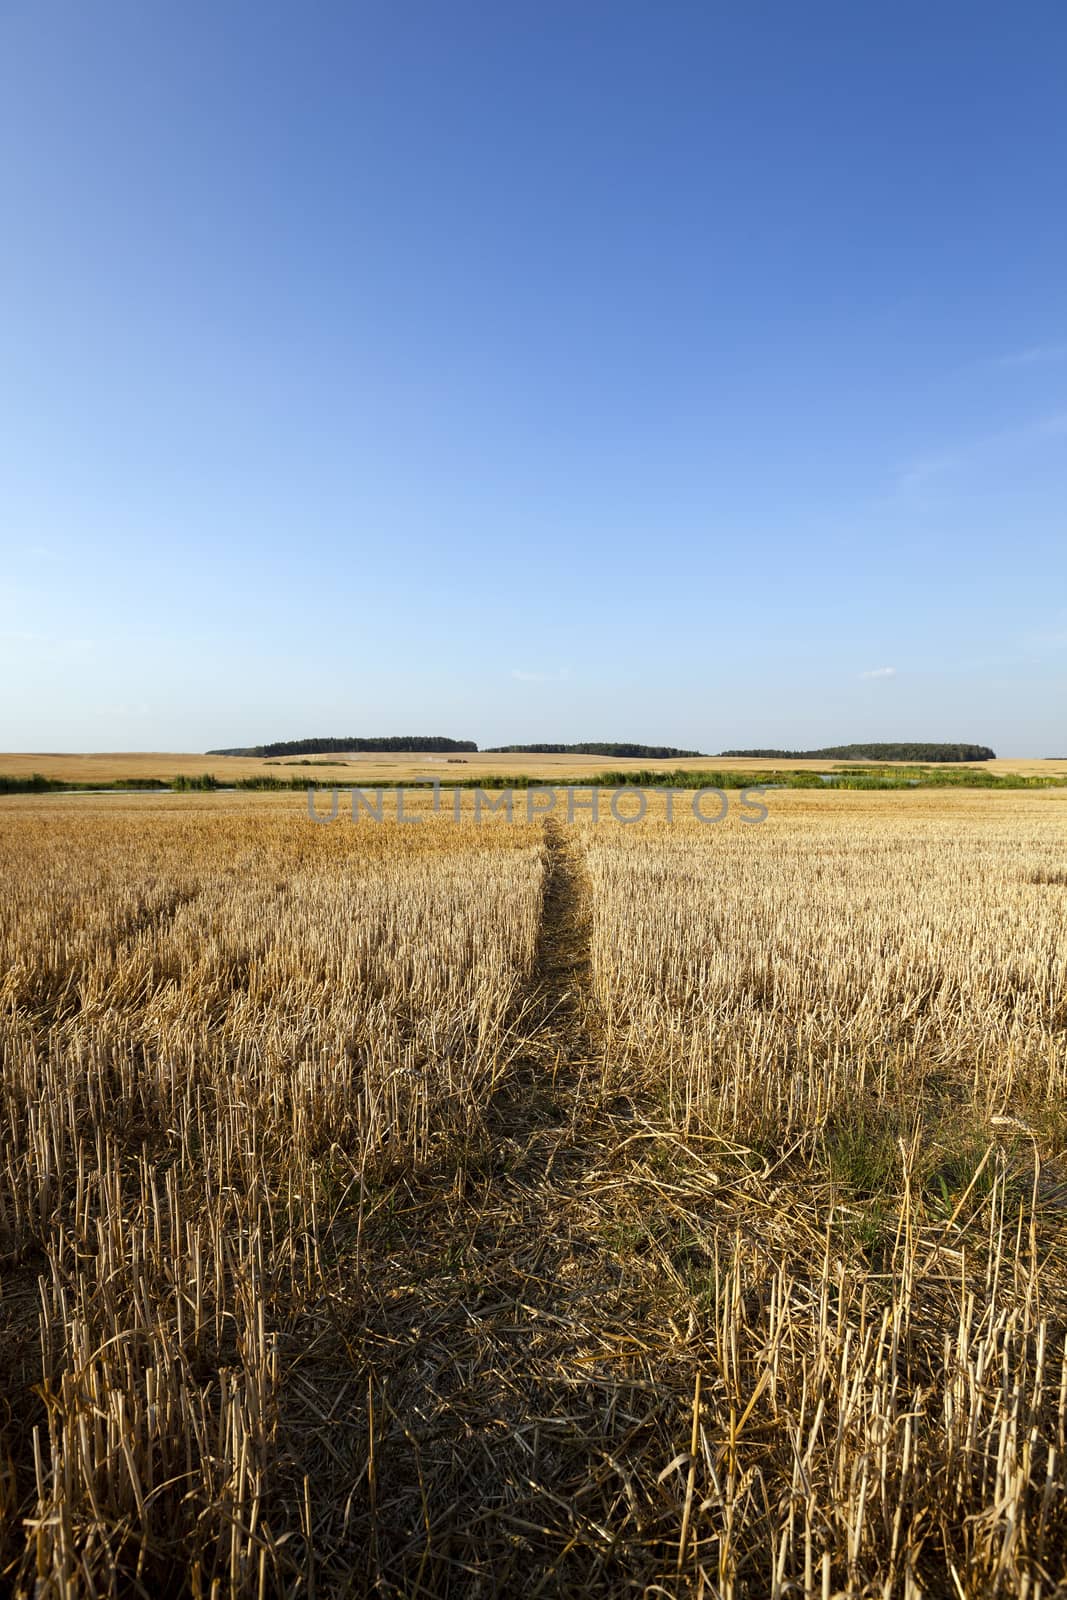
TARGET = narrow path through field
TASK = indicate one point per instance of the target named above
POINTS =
(563, 966)
(491, 1367)
(554, 1081)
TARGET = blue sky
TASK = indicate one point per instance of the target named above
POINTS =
(685, 373)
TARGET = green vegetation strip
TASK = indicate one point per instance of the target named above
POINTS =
(646, 778)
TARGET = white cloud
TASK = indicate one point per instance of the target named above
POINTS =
(1036, 355)
(916, 474)
(44, 641)
(879, 672)
(541, 677)
(920, 472)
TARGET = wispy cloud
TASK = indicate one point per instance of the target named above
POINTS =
(560, 676)
(879, 672)
(1036, 355)
(25, 636)
(921, 471)
(916, 474)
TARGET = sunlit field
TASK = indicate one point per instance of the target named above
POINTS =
(533, 1207)
(371, 767)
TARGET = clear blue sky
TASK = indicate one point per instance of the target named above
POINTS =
(689, 372)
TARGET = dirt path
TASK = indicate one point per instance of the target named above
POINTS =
(491, 1364)
(563, 965)
(554, 1085)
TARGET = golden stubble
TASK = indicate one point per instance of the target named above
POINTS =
(607, 1208)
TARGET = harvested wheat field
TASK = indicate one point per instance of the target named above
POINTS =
(534, 1208)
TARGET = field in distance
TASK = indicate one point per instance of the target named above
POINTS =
(367, 768)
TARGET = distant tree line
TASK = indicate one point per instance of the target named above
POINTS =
(434, 743)
(657, 752)
(875, 752)
(420, 742)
